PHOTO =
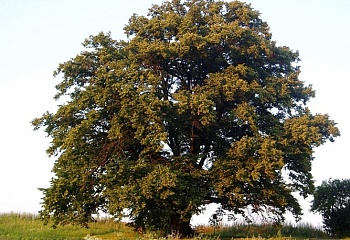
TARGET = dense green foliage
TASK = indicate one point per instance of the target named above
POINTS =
(199, 106)
(332, 200)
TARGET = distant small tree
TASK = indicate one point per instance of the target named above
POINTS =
(332, 200)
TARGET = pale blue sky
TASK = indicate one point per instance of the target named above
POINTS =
(37, 35)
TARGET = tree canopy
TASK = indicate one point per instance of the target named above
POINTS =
(332, 201)
(199, 105)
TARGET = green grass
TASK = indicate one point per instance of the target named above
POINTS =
(15, 226)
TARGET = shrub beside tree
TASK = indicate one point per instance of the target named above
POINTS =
(332, 201)
(198, 106)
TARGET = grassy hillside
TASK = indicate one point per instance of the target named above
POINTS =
(15, 226)
(26, 226)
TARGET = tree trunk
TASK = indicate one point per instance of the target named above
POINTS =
(180, 228)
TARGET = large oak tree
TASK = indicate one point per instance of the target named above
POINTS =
(198, 106)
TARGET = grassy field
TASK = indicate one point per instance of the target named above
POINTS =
(15, 226)
(26, 226)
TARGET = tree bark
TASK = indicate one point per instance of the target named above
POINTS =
(180, 228)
